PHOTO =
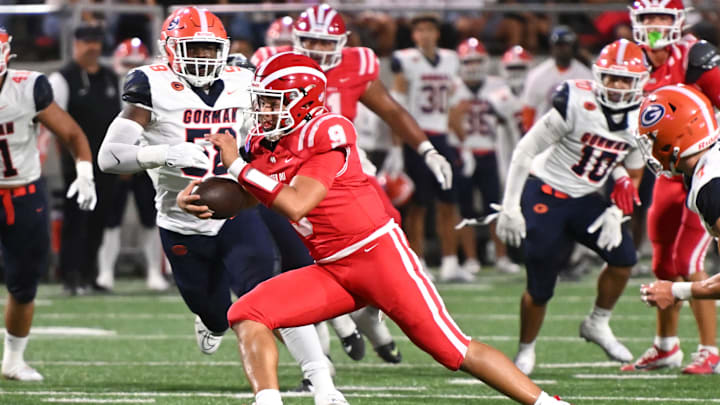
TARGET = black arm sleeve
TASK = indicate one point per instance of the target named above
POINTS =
(708, 202)
(560, 99)
(703, 56)
(396, 65)
(137, 89)
(42, 93)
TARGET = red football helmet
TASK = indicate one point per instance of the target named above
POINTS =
(399, 188)
(296, 84)
(5, 55)
(514, 66)
(675, 122)
(280, 32)
(473, 60)
(321, 23)
(191, 25)
(620, 59)
(657, 36)
(130, 54)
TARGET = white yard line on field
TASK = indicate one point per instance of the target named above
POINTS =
(100, 401)
(424, 395)
(625, 376)
(472, 381)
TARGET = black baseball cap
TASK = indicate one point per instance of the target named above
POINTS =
(89, 32)
(562, 34)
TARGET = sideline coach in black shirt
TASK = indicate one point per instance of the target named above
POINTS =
(88, 91)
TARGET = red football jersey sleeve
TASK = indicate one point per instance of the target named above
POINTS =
(325, 133)
(348, 81)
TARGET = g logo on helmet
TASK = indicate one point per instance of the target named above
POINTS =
(651, 115)
(174, 23)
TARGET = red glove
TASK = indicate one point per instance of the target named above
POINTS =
(625, 195)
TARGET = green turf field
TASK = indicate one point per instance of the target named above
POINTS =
(139, 348)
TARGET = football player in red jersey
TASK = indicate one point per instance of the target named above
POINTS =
(352, 76)
(303, 162)
(679, 240)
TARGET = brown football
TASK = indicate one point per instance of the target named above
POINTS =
(224, 197)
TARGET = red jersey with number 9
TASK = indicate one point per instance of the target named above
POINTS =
(346, 82)
(351, 210)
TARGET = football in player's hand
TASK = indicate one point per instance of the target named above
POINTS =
(224, 197)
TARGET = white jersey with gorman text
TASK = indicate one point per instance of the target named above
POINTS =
(707, 169)
(430, 86)
(586, 149)
(542, 80)
(19, 153)
(180, 115)
(491, 105)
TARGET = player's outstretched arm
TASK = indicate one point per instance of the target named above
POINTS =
(64, 127)
(663, 294)
(377, 99)
(294, 200)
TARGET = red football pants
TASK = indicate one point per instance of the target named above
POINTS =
(679, 239)
(384, 273)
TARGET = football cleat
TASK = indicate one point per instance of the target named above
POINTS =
(156, 282)
(21, 372)
(305, 386)
(389, 353)
(354, 345)
(471, 266)
(703, 362)
(603, 336)
(525, 361)
(655, 358)
(455, 274)
(505, 265)
(333, 397)
(207, 341)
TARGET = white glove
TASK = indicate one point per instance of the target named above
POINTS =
(468, 162)
(187, 154)
(438, 165)
(510, 226)
(394, 163)
(83, 186)
(610, 225)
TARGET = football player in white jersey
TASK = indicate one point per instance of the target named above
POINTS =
(570, 153)
(678, 134)
(481, 105)
(170, 108)
(424, 82)
(24, 97)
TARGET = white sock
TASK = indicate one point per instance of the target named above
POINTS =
(13, 350)
(369, 323)
(449, 261)
(667, 343)
(343, 325)
(324, 334)
(711, 349)
(545, 399)
(304, 345)
(522, 347)
(108, 252)
(600, 315)
(150, 240)
(268, 397)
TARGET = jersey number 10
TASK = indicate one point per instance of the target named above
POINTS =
(594, 163)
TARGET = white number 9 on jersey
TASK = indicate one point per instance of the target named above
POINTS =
(337, 136)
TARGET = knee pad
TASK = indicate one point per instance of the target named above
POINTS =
(23, 294)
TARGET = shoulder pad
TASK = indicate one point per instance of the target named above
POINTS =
(368, 64)
(560, 99)
(42, 93)
(325, 133)
(703, 56)
(137, 88)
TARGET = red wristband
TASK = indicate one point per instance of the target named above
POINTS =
(260, 185)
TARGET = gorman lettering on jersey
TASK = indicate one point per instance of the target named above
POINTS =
(600, 142)
(224, 116)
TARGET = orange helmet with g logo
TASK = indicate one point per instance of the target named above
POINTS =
(675, 122)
